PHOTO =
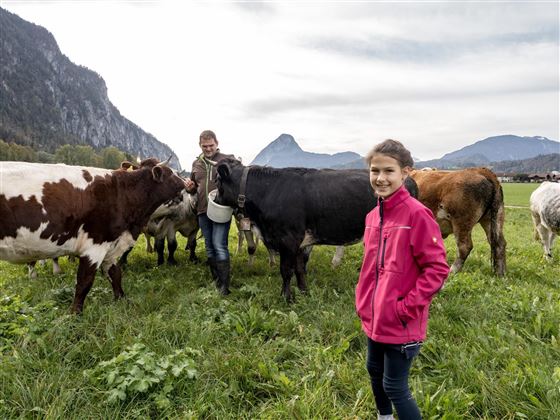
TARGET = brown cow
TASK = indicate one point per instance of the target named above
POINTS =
(96, 214)
(461, 199)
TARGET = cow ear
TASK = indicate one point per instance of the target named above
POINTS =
(157, 173)
(223, 170)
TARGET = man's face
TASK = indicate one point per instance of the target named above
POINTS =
(208, 147)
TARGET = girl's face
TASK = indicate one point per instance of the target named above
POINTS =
(386, 175)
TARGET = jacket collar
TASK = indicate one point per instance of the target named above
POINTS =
(205, 159)
(396, 198)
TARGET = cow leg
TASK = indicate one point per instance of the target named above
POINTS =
(464, 247)
(546, 239)
(337, 258)
(171, 247)
(159, 244)
(301, 260)
(271, 258)
(191, 246)
(84, 281)
(149, 248)
(251, 246)
(287, 265)
(31, 272)
(123, 260)
(551, 237)
(498, 247)
(306, 254)
(240, 236)
(56, 266)
(536, 222)
(115, 275)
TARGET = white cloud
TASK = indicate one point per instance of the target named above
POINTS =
(336, 75)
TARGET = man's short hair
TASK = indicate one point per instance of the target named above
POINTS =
(207, 135)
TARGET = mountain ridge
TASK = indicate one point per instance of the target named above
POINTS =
(285, 151)
(48, 101)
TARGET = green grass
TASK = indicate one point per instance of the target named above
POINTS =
(493, 348)
(517, 194)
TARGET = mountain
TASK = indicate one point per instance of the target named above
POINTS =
(538, 154)
(495, 149)
(47, 101)
(541, 163)
(284, 152)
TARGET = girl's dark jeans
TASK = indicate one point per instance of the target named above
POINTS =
(388, 366)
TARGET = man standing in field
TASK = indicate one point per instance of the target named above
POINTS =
(202, 181)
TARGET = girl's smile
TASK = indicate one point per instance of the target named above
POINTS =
(386, 175)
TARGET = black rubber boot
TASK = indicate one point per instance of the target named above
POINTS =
(213, 270)
(223, 276)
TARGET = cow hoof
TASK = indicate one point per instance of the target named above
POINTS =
(289, 298)
(172, 262)
(224, 291)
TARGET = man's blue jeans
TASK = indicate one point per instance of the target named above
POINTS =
(215, 237)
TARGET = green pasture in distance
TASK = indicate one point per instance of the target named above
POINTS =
(517, 194)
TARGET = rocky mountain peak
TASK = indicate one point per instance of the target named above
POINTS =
(284, 143)
(48, 101)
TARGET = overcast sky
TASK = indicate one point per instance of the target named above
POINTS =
(338, 76)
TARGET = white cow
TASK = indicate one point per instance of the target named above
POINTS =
(545, 210)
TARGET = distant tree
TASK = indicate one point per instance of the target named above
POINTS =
(4, 150)
(129, 157)
(16, 152)
(77, 155)
(112, 158)
(44, 157)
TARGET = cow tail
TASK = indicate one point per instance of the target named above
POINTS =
(497, 240)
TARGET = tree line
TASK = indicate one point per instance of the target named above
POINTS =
(71, 154)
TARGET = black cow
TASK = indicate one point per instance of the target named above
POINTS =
(297, 207)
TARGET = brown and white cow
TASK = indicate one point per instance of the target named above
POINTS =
(49, 210)
(461, 199)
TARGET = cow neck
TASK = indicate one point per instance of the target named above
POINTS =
(242, 186)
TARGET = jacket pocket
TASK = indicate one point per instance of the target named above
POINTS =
(394, 248)
(386, 320)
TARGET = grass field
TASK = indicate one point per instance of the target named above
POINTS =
(517, 194)
(176, 349)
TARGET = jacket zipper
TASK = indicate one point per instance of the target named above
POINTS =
(377, 256)
(206, 166)
(383, 253)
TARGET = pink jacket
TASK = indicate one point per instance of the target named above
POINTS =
(404, 266)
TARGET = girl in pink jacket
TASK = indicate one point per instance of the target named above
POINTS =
(404, 266)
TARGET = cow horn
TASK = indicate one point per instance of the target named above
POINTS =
(166, 162)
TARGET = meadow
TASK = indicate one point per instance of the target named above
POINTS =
(176, 349)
